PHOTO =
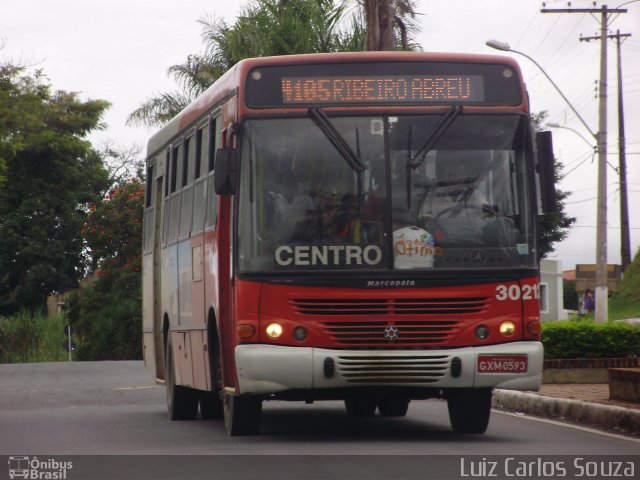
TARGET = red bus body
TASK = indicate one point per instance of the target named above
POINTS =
(367, 336)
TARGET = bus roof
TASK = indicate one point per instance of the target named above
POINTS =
(230, 83)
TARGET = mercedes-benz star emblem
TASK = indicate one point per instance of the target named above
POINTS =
(477, 257)
(391, 333)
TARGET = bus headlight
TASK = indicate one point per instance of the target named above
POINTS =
(300, 334)
(274, 330)
(507, 328)
(482, 332)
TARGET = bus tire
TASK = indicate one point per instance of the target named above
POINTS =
(469, 409)
(242, 414)
(360, 407)
(393, 406)
(182, 402)
(211, 405)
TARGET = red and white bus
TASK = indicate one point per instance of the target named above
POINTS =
(356, 227)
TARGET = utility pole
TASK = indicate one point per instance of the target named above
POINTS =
(602, 288)
(625, 242)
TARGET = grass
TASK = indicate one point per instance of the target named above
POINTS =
(27, 338)
(625, 302)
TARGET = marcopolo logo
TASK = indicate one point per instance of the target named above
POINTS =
(38, 469)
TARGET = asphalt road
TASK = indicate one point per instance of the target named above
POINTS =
(114, 408)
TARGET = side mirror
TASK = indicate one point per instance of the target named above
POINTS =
(226, 168)
(546, 172)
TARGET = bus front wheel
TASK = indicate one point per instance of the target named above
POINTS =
(242, 414)
(182, 402)
(469, 409)
(393, 406)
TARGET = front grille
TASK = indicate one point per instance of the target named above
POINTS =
(361, 322)
(398, 306)
(410, 332)
(371, 370)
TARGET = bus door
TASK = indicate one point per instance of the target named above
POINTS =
(151, 274)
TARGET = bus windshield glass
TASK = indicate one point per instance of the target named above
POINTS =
(463, 202)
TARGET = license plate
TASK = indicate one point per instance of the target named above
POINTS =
(502, 363)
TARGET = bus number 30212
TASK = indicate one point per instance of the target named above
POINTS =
(517, 292)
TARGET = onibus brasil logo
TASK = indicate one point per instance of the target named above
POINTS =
(38, 469)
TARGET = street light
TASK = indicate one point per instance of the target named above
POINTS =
(557, 125)
(602, 294)
(595, 147)
(498, 45)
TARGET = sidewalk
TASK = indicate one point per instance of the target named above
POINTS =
(583, 403)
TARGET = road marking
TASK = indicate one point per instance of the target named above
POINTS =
(37, 390)
(570, 425)
(136, 388)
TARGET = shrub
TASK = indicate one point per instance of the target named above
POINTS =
(587, 339)
(107, 320)
(32, 338)
(113, 334)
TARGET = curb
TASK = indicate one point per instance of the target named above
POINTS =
(606, 416)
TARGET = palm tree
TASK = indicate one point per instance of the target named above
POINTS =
(263, 28)
(389, 23)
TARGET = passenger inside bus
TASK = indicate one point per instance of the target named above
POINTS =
(338, 217)
(289, 209)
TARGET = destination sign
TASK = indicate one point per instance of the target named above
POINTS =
(382, 83)
(388, 89)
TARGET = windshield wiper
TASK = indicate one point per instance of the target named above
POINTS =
(337, 140)
(442, 126)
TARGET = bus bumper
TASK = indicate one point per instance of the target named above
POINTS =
(267, 369)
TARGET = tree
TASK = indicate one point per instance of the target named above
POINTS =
(107, 316)
(113, 232)
(263, 28)
(52, 174)
(553, 227)
(388, 24)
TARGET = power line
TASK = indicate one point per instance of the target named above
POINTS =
(605, 15)
(608, 227)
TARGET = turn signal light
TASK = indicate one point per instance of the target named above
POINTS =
(245, 331)
(534, 328)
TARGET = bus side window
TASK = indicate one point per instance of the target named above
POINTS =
(212, 199)
(212, 203)
(149, 210)
(215, 134)
(185, 162)
(200, 186)
(149, 189)
(187, 190)
(166, 207)
(174, 208)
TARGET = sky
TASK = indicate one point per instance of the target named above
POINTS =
(119, 51)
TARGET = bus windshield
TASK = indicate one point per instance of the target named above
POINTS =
(463, 202)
